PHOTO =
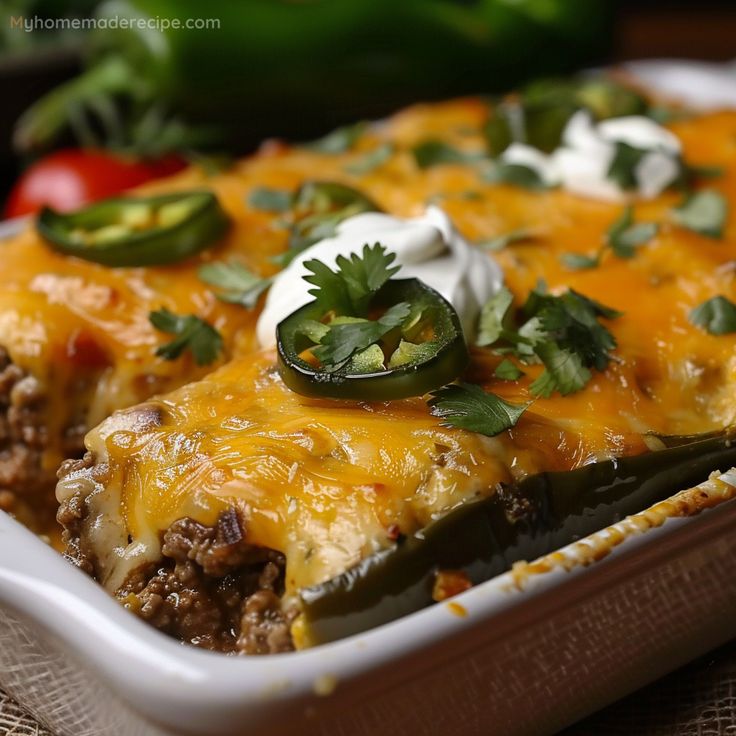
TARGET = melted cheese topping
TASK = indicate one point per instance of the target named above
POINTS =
(325, 481)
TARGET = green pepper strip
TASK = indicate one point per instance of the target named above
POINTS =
(443, 359)
(137, 231)
(520, 522)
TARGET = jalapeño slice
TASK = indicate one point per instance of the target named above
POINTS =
(426, 351)
(137, 231)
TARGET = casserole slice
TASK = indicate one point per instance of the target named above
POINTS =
(208, 511)
(224, 512)
(76, 337)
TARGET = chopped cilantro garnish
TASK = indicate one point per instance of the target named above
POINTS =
(490, 325)
(345, 340)
(270, 200)
(502, 241)
(624, 235)
(371, 160)
(514, 174)
(703, 212)
(191, 333)
(318, 208)
(314, 330)
(339, 140)
(562, 332)
(564, 370)
(241, 285)
(348, 290)
(716, 315)
(433, 152)
(580, 261)
(508, 371)
(467, 406)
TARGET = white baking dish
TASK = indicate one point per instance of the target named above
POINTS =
(520, 654)
(522, 660)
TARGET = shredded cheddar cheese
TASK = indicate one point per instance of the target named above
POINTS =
(323, 481)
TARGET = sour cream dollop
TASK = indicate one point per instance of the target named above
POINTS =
(580, 165)
(428, 248)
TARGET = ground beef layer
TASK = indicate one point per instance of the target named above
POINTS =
(211, 588)
(26, 488)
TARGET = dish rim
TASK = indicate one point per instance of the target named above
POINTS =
(157, 675)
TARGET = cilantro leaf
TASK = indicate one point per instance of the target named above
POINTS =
(564, 371)
(490, 325)
(562, 332)
(270, 200)
(331, 291)
(372, 160)
(191, 333)
(577, 303)
(339, 140)
(242, 286)
(515, 174)
(716, 315)
(571, 320)
(349, 289)
(344, 340)
(508, 371)
(703, 212)
(468, 406)
(624, 235)
(318, 208)
(433, 152)
(579, 261)
(502, 241)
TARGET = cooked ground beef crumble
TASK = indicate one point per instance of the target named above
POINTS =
(211, 588)
(26, 483)
(26, 488)
(215, 590)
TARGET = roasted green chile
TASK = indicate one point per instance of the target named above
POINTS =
(520, 522)
(137, 231)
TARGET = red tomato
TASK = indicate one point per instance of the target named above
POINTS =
(70, 178)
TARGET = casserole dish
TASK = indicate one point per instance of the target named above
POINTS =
(509, 661)
(418, 651)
